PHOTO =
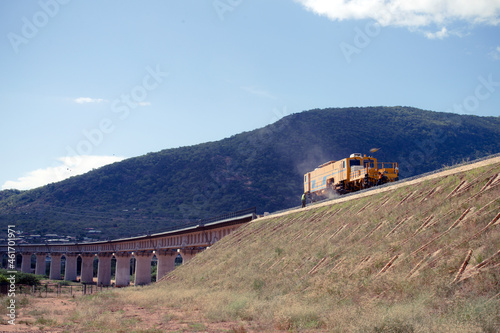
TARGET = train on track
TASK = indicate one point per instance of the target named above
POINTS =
(348, 175)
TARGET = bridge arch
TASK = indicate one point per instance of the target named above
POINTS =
(154, 267)
(3, 260)
(19, 261)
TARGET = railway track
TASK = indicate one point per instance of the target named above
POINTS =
(465, 166)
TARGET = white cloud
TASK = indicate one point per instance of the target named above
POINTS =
(84, 100)
(411, 14)
(87, 100)
(66, 167)
(438, 34)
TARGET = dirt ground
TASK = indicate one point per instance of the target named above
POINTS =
(59, 308)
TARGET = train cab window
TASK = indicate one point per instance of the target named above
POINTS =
(369, 163)
(354, 162)
(305, 179)
(343, 164)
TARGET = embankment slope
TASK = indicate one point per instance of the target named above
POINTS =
(421, 256)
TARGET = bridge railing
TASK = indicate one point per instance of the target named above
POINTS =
(252, 210)
(201, 222)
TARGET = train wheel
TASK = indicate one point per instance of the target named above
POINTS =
(340, 191)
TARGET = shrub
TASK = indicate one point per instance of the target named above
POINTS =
(21, 278)
(29, 279)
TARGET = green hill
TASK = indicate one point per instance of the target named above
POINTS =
(262, 168)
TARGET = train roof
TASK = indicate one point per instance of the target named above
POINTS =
(325, 164)
(351, 156)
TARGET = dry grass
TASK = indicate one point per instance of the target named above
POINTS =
(390, 262)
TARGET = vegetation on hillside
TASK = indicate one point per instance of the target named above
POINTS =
(418, 258)
(262, 168)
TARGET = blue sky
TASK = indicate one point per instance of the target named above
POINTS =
(86, 83)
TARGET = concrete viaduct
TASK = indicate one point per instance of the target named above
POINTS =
(165, 246)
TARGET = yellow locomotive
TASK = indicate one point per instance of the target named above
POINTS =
(348, 175)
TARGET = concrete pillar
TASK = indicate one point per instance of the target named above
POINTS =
(40, 263)
(104, 269)
(55, 266)
(143, 267)
(87, 274)
(187, 254)
(166, 262)
(122, 272)
(26, 263)
(70, 269)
